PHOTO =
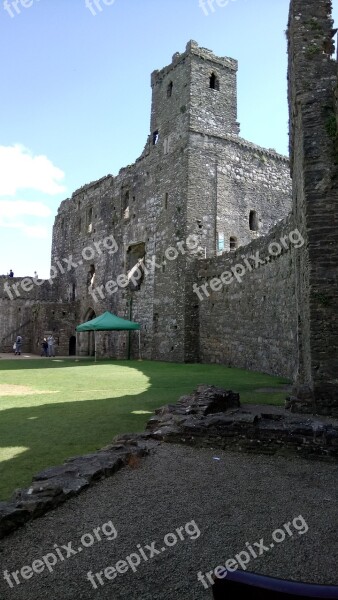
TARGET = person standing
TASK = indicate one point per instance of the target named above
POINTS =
(11, 274)
(51, 342)
(18, 345)
(44, 349)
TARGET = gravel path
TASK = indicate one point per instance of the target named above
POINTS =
(234, 500)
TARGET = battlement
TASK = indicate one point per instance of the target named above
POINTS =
(192, 48)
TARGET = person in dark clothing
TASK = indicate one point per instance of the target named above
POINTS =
(44, 347)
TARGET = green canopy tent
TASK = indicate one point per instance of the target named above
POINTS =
(109, 322)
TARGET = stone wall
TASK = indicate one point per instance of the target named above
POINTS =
(250, 321)
(229, 180)
(312, 79)
(29, 309)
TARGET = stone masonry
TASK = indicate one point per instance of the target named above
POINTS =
(314, 164)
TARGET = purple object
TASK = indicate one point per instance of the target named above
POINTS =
(260, 587)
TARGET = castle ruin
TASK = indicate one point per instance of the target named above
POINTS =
(205, 240)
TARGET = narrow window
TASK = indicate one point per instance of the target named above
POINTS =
(73, 295)
(155, 137)
(253, 221)
(125, 204)
(233, 243)
(214, 82)
(220, 241)
(91, 276)
(135, 265)
(90, 220)
(80, 225)
(170, 90)
(166, 197)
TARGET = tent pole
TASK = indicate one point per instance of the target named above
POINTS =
(95, 344)
(129, 341)
(139, 344)
(76, 346)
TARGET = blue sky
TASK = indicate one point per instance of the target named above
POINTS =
(76, 95)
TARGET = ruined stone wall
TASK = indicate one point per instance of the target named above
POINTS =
(229, 180)
(312, 79)
(30, 310)
(250, 321)
(155, 191)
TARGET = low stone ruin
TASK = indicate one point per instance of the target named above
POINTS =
(214, 417)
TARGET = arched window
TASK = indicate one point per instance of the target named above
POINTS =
(214, 82)
(233, 243)
(170, 90)
(253, 221)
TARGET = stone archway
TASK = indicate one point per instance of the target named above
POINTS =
(86, 338)
(72, 346)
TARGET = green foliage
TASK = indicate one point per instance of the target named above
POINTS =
(314, 25)
(312, 51)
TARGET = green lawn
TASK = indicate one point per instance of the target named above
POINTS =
(78, 407)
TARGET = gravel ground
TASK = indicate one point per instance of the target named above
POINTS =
(231, 501)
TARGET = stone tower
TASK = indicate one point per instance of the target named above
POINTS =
(314, 164)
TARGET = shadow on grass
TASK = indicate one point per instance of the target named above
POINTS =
(46, 363)
(46, 435)
(53, 432)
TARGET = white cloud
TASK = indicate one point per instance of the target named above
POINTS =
(10, 209)
(20, 170)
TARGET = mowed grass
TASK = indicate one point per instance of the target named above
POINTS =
(69, 408)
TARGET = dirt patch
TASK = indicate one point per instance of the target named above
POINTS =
(20, 390)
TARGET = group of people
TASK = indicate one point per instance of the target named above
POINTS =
(48, 346)
(11, 274)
